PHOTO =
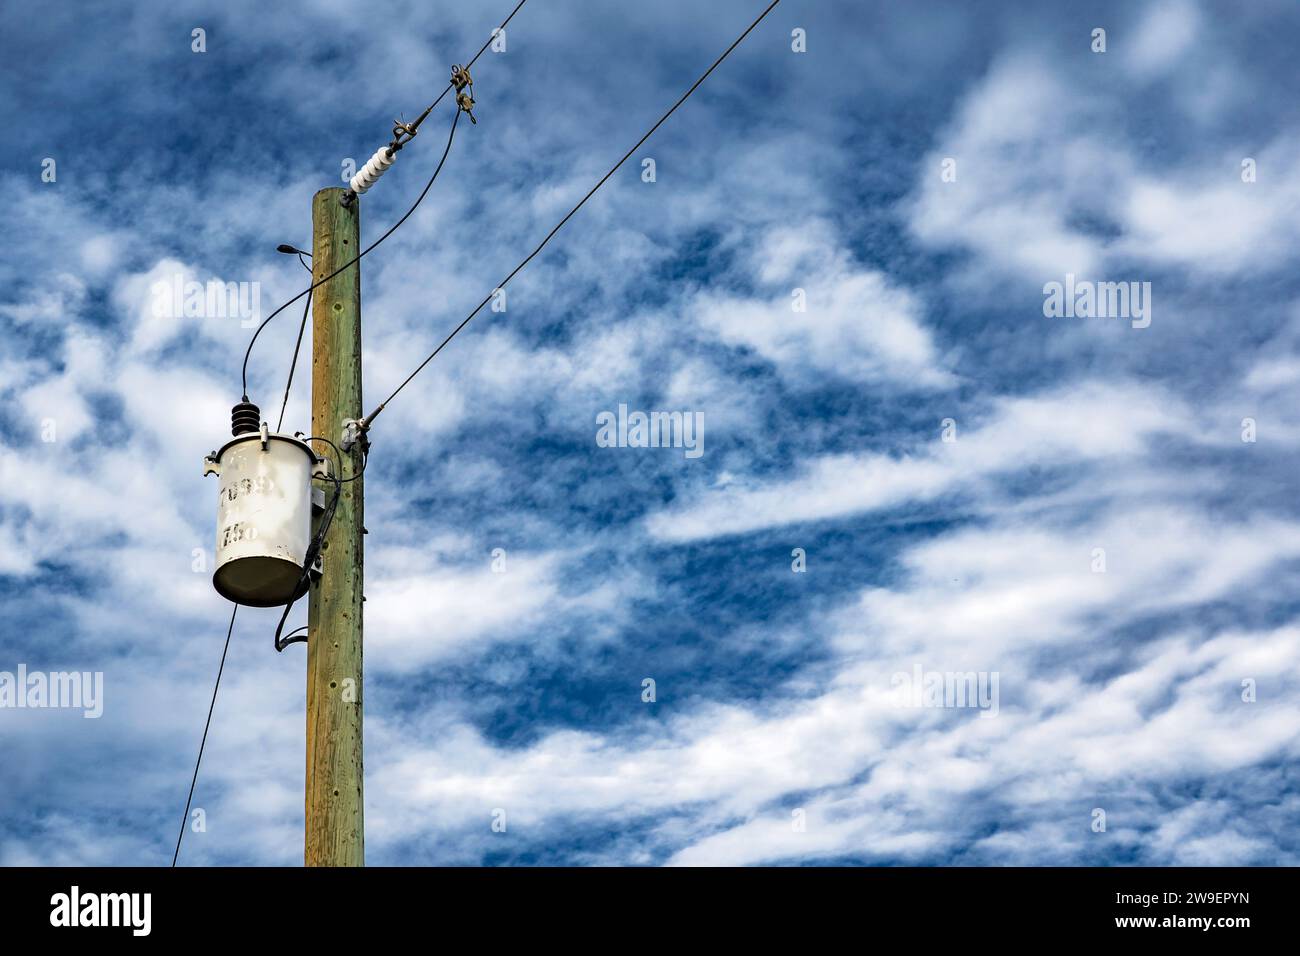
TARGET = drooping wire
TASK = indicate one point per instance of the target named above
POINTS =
(203, 743)
(365, 458)
(297, 347)
(322, 529)
(313, 550)
(296, 636)
(391, 229)
(445, 90)
(501, 285)
(328, 518)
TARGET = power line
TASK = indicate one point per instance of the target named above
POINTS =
(322, 529)
(338, 480)
(446, 89)
(393, 228)
(293, 363)
(488, 42)
(501, 285)
(208, 723)
(297, 347)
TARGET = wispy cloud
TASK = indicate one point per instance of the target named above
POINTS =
(1102, 515)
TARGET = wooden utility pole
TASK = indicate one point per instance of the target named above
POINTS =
(335, 834)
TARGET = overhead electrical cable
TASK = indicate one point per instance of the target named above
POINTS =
(315, 546)
(319, 282)
(366, 422)
(203, 743)
(338, 480)
(293, 363)
(448, 88)
(395, 145)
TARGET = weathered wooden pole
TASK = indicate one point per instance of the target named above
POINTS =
(335, 833)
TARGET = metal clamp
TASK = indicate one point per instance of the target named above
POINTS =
(354, 434)
(402, 133)
(461, 79)
(466, 103)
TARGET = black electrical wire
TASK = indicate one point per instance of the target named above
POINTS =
(313, 551)
(293, 364)
(297, 636)
(203, 743)
(328, 517)
(393, 228)
(501, 285)
(448, 88)
(303, 326)
(489, 40)
(314, 548)
(365, 458)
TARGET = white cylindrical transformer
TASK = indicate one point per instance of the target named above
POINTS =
(263, 517)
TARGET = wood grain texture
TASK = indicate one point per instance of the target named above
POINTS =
(335, 834)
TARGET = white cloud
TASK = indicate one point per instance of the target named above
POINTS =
(890, 782)
(985, 592)
(859, 325)
(1105, 699)
(1086, 422)
(1166, 33)
(1024, 165)
(1036, 158)
(1212, 221)
(419, 611)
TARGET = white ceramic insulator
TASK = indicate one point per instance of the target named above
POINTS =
(371, 171)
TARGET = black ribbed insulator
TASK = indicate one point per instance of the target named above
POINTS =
(245, 417)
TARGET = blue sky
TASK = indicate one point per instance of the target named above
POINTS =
(777, 735)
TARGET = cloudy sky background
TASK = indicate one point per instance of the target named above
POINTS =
(819, 171)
